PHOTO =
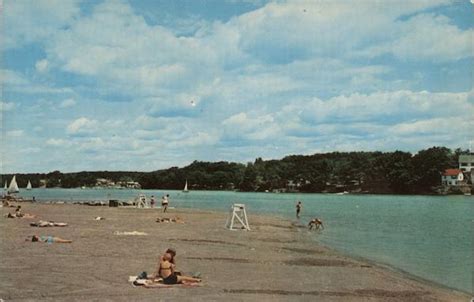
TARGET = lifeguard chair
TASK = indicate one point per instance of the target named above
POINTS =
(141, 201)
(237, 212)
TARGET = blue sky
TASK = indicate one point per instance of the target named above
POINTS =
(144, 85)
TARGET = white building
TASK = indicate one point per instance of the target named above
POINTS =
(452, 177)
(466, 162)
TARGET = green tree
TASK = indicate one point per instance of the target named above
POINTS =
(399, 170)
(428, 165)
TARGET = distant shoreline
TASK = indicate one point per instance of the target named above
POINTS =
(366, 172)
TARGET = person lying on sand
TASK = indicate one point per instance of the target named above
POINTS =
(166, 219)
(6, 203)
(48, 239)
(316, 223)
(167, 272)
(14, 215)
(43, 223)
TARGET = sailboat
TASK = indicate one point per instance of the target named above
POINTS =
(185, 190)
(6, 186)
(29, 186)
(13, 188)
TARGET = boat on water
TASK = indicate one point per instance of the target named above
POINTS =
(29, 186)
(6, 186)
(185, 190)
(13, 188)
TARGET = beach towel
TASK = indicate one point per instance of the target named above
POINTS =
(133, 233)
(157, 283)
(43, 224)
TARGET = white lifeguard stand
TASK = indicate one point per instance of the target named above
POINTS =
(237, 212)
(141, 201)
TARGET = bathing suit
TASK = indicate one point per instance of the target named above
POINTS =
(171, 279)
(47, 239)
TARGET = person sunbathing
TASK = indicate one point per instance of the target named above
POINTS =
(167, 272)
(15, 215)
(166, 219)
(48, 239)
(43, 223)
(18, 212)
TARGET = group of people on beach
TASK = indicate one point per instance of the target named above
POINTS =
(315, 223)
(19, 214)
(165, 200)
(35, 238)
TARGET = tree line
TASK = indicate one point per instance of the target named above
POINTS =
(395, 172)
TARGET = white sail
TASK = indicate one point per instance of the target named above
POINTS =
(6, 186)
(186, 187)
(29, 186)
(13, 188)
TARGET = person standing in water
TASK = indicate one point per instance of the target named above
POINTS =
(299, 205)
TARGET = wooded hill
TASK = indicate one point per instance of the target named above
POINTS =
(365, 172)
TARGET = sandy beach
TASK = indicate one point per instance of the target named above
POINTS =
(275, 261)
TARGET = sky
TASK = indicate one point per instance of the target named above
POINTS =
(142, 85)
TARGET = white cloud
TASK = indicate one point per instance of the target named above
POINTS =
(35, 21)
(17, 82)
(196, 139)
(82, 126)
(181, 104)
(15, 133)
(281, 32)
(12, 78)
(42, 66)
(426, 37)
(123, 51)
(6, 106)
(257, 127)
(30, 150)
(236, 120)
(92, 144)
(435, 126)
(67, 103)
(381, 107)
(58, 142)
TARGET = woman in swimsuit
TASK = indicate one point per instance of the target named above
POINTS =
(49, 239)
(167, 272)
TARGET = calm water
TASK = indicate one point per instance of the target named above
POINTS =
(427, 236)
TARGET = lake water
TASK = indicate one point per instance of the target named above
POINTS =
(427, 236)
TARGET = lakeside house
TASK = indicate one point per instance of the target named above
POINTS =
(459, 180)
(452, 177)
(43, 183)
(466, 162)
(107, 183)
(466, 165)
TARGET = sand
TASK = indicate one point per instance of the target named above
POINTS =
(275, 261)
